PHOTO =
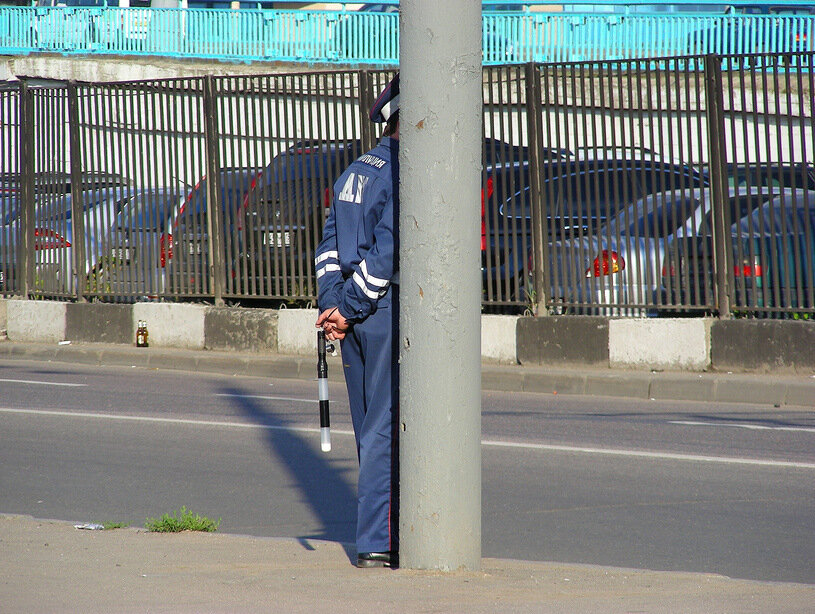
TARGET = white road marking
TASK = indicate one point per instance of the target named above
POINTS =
(260, 396)
(653, 455)
(38, 383)
(753, 427)
(487, 443)
(182, 421)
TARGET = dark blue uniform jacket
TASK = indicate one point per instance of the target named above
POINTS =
(356, 258)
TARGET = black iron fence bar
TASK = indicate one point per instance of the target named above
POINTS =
(185, 273)
(695, 287)
(550, 275)
(77, 209)
(800, 259)
(364, 90)
(274, 258)
(215, 270)
(312, 192)
(733, 79)
(794, 294)
(488, 200)
(25, 257)
(9, 145)
(769, 117)
(515, 233)
(229, 139)
(44, 145)
(316, 111)
(297, 185)
(534, 116)
(238, 268)
(146, 138)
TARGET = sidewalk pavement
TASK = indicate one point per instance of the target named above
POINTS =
(50, 566)
(762, 388)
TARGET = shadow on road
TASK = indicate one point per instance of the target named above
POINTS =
(320, 481)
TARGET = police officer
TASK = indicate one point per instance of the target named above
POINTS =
(357, 276)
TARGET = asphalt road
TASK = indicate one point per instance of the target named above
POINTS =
(681, 486)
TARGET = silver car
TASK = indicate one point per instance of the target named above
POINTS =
(139, 242)
(618, 270)
(55, 264)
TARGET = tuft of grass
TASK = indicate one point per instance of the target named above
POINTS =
(182, 520)
(114, 525)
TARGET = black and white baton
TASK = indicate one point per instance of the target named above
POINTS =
(322, 385)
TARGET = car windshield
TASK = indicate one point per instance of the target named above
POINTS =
(60, 208)
(739, 206)
(657, 217)
(784, 215)
(235, 182)
(148, 210)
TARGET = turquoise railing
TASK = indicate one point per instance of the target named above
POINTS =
(348, 37)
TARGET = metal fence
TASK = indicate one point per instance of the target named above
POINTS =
(360, 37)
(687, 189)
(630, 187)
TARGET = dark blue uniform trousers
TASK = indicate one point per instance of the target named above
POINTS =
(372, 376)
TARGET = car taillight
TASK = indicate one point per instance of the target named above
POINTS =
(490, 190)
(327, 198)
(607, 263)
(748, 269)
(49, 239)
(165, 248)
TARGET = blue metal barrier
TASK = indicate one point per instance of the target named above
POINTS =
(349, 37)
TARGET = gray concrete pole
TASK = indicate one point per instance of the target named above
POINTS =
(440, 136)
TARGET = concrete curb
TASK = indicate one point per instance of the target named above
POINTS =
(788, 390)
(557, 342)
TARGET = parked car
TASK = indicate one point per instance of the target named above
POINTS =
(286, 206)
(9, 229)
(135, 244)
(577, 196)
(54, 266)
(269, 219)
(620, 267)
(772, 252)
(281, 219)
(184, 247)
(48, 186)
(796, 176)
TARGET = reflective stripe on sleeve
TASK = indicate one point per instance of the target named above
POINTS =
(370, 279)
(327, 269)
(326, 255)
(371, 294)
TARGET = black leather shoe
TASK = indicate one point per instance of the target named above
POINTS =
(374, 559)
